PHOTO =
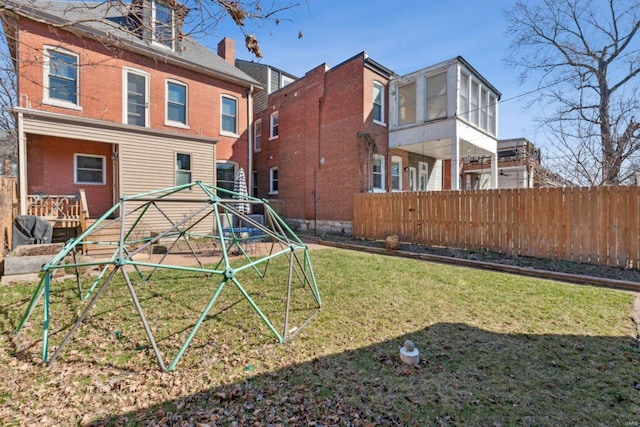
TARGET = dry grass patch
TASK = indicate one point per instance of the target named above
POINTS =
(496, 349)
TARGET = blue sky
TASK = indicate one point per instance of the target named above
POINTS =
(405, 36)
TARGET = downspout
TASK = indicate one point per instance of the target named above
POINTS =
(22, 165)
(249, 174)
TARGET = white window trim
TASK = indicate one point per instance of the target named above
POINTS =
(413, 177)
(271, 136)
(226, 132)
(271, 190)
(176, 170)
(75, 169)
(125, 97)
(382, 188)
(46, 99)
(255, 135)
(446, 96)
(173, 123)
(415, 104)
(398, 160)
(153, 27)
(424, 173)
(382, 103)
(286, 80)
(229, 163)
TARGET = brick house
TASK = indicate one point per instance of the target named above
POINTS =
(359, 127)
(321, 140)
(115, 100)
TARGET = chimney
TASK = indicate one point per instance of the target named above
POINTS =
(227, 50)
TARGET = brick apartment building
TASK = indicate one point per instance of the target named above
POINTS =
(114, 99)
(318, 140)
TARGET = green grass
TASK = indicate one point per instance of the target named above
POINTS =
(496, 349)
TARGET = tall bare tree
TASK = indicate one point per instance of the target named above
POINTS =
(586, 57)
(8, 140)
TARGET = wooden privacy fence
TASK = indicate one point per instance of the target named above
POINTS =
(8, 205)
(598, 225)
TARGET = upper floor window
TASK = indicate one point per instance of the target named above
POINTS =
(89, 169)
(274, 132)
(463, 96)
(477, 103)
(378, 102)
(136, 98)
(229, 123)
(493, 106)
(61, 78)
(437, 96)
(257, 135)
(407, 104)
(285, 80)
(176, 103)
(163, 25)
(474, 103)
(378, 173)
(183, 168)
(396, 173)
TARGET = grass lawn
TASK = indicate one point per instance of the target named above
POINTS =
(496, 350)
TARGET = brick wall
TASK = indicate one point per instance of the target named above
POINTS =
(320, 159)
(51, 169)
(101, 86)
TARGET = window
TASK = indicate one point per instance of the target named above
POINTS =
(176, 103)
(493, 105)
(396, 173)
(225, 175)
(463, 97)
(484, 108)
(378, 172)
(163, 25)
(423, 176)
(477, 104)
(378, 103)
(437, 96)
(183, 168)
(474, 102)
(257, 135)
(274, 126)
(273, 181)
(136, 98)
(285, 80)
(254, 184)
(89, 169)
(229, 115)
(412, 179)
(61, 77)
(407, 104)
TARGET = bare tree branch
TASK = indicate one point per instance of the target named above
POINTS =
(586, 56)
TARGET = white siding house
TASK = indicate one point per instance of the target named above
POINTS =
(447, 111)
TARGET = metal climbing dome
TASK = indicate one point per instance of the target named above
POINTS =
(180, 216)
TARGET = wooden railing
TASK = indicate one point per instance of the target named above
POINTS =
(599, 225)
(63, 211)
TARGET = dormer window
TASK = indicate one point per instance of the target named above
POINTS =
(163, 23)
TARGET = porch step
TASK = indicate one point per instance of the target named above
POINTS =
(108, 234)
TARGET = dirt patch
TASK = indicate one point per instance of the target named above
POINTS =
(568, 267)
